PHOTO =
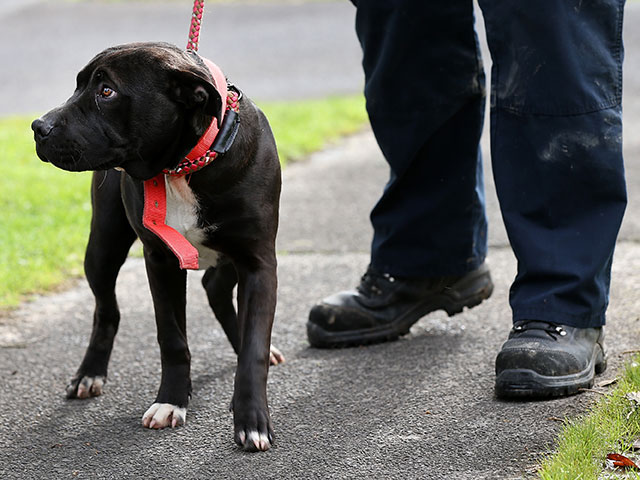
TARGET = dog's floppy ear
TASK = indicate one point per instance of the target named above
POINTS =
(195, 91)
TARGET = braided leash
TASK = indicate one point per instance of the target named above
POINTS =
(196, 21)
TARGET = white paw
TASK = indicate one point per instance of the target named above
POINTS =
(87, 387)
(275, 356)
(254, 441)
(161, 415)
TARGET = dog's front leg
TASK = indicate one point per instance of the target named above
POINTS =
(256, 307)
(168, 289)
(109, 242)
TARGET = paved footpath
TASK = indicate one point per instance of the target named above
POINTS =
(421, 407)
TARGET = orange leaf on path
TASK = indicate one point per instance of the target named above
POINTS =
(621, 461)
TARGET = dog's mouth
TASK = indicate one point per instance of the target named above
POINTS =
(75, 160)
(83, 167)
(66, 153)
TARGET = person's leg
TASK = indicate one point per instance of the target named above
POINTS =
(425, 99)
(557, 162)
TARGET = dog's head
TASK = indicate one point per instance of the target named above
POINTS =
(139, 106)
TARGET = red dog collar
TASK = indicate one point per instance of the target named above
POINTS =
(155, 197)
(220, 82)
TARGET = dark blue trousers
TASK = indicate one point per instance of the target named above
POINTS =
(556, 143)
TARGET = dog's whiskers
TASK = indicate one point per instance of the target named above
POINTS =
(77, 161)
(104, 178)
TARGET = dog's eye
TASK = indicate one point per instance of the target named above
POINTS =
(107, 92)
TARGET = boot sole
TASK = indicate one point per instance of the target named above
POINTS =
(524, 383)
(470, 294)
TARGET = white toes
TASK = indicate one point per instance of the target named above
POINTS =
(161, 415)
(275, 356)
(96, 387)
(263, 442)
(254, 441)
(257, 441)
(90, 387)
(83, 389)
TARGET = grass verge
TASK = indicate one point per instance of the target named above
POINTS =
(45, 217)
(304, 126)
(611, 426)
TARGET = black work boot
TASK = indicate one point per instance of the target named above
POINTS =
(543, 359)
(384, 307)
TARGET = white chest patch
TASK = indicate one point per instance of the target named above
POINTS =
(182, 215)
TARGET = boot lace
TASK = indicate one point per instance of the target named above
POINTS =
(552, 329)
(373, 283)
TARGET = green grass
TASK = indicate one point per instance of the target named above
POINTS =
(611, 426)
(45, 217)
(302, 127)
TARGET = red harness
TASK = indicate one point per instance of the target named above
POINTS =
(155, 195)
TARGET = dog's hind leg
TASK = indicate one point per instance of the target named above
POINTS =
(219, 283)
(110, 239)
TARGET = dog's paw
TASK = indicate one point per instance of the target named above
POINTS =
(85, 387)
(255, 434)
(275, 356)
(161, 415)
(252, 441)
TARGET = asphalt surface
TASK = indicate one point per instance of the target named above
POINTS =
(421, 407)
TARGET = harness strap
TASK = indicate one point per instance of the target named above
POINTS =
(155, 195)
(153, 218)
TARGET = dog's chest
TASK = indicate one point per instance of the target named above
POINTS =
(182, 215)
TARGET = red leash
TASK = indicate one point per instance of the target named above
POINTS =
(194, 29)
(155, 195)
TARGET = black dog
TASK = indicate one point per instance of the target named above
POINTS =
(140, 108)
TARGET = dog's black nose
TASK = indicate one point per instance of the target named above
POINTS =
(41, 127)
